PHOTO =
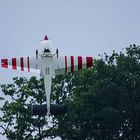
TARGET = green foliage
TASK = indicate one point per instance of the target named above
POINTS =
(17, 121)
(105, 103)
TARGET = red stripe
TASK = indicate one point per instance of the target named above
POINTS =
(22, 63)
(28, 64)
(72, 63)
(14, 63)
(65, 64)
(79, 62)
(89, 61)
(4, 63)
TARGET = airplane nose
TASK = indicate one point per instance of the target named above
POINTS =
(46, 43)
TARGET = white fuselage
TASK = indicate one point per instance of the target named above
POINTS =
(47, 75)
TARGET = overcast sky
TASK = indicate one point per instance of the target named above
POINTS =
(77, 27)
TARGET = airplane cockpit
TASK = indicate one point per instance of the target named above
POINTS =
(47, 50)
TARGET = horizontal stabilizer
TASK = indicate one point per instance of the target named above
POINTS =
(55, 109)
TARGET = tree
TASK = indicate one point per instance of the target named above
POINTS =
(17, 122)
(105, 100)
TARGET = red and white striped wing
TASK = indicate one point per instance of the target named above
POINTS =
(61, 65)
(24, 64)
(66, 64)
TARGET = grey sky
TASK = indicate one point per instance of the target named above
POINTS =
(77, 27)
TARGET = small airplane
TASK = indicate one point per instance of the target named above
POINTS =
(49, 64)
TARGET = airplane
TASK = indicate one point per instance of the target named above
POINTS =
(49, 64)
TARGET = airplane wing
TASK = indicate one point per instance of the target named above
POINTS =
(64, 64)
(28, 64)
(61, 65)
